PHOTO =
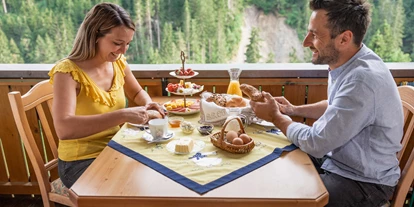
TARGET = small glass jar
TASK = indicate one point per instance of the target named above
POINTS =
(175, 121)
(187, 127)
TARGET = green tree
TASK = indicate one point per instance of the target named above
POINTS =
(196, 55)
(154, 57)
(384, 45)
(148, 21)
(45, 52)
(15, 53)
(266, 5)
(408, 39)
(253, 48)
(138, 45)
(169, 51)
(26, 45)
(187, 26)
(398, 24)
(205, 17)
(180, 42)
(219, 53)
(63, 32)
(293, 58)
(270, 58)
(5, 53)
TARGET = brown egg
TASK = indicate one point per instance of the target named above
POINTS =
(231, 135)
(245, 138)
(237, 141)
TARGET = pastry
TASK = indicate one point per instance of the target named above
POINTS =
(252, 92)
(218, 99)
(236, 101)
(153, 114)
(184, 145)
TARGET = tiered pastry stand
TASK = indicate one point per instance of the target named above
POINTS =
(184, 78)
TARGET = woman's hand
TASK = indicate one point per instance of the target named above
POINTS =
(137, 115)
(285, 106)
(155, 106)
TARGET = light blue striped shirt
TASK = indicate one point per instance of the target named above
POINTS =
(362, 127)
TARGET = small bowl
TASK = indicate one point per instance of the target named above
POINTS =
(175, 121)
(186, 127)
(205, 129)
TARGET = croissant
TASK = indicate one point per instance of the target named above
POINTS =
(252, 92)
(236, 102)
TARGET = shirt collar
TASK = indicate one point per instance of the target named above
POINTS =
(335, 73)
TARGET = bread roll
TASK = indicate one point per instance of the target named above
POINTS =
(252, 92)
(153, 114)
(236, 102)
(218, 99)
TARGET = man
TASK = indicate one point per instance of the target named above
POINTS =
(359, 128)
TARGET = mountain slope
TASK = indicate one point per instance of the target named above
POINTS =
(277, 37)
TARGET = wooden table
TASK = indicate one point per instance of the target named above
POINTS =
(115, 179)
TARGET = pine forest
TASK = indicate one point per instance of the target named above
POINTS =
(209, 31)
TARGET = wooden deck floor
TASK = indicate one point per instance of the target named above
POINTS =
(22, 201)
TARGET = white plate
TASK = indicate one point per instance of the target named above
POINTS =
(266, 123)
(188, 110)
(148, 137)
(183, 76)
(188, 92)
(198, 146)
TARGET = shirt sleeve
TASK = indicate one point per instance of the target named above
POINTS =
(350, 111)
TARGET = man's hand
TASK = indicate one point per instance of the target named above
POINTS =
(266, 110)
(285, 106)
(269, 110)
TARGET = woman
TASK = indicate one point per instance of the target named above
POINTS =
(90, 87)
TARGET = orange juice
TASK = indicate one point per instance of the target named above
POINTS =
(234, 88)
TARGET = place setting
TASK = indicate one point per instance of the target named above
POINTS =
(157, 131)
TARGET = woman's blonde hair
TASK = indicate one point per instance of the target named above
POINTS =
(97, 23)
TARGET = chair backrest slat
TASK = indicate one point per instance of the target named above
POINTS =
(47, 130)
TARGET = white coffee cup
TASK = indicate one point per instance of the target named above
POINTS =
(158, 128)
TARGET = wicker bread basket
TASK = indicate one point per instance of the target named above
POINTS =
(219, 141)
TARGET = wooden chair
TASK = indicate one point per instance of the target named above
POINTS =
(38, 97)
(406, 155)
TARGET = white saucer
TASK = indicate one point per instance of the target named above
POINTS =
(198, 145)
(148, 137)
(264, 123)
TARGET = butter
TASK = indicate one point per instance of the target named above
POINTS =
(184, 145)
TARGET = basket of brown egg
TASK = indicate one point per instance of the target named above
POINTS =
(232, 141)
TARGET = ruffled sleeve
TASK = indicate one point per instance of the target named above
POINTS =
(65, 66)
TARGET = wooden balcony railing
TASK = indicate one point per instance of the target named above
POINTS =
(299, 83)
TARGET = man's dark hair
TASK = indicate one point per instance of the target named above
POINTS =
(353, 15)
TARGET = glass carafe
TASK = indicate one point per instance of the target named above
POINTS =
(233, 124)
(234, 85)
